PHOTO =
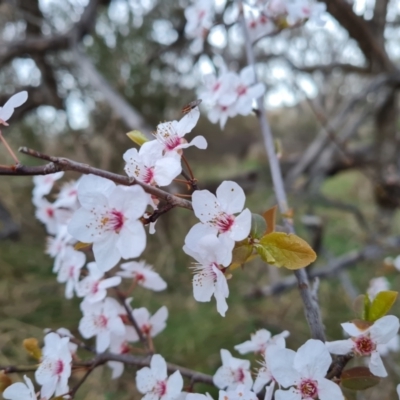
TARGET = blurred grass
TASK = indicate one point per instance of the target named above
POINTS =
(31, 299)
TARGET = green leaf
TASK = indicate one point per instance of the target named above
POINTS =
(283, 250)
(381, 305)
(358, 378)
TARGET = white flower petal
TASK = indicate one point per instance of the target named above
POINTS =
(376, 365)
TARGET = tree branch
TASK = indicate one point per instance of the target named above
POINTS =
(57, 164)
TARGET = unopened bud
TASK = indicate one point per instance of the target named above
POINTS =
(258, 226)
(137, 137)
(31, 345)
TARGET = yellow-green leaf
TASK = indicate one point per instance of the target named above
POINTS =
(286, 250)
(137, 137)
(381, 305)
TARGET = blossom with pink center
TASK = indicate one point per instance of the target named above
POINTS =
(216, 86)
(231, 94)
(101, 319)
(109, 218)
(245, 89)
(44, 183)
(170, 135)
(93, 287)
(20, 391)
(55, 368)
(241, 392)
(233, 372)
(70, 269)
(261, 340)
(364, 342)
(213, 256)
(260, 25)
(303, 372)
(143, 275)
(49, 215)
(148, 165)
(221, 112)
(12, 103)
(154, 382)
(150, 326)
(217, 215)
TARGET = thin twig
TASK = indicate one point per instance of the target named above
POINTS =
(139, 361)
(6, 145)
(64, 164)
(132, 320)
(311, 308)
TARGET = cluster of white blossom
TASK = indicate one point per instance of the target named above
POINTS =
(230, 94)
(266, 17)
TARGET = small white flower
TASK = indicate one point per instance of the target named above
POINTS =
(20, 391)
(150, 326)
(143, 274)
(64, 332)
(70, 269)
(101, 319)
(148, 165)
(68, 196)
(233, 372)
(93, 287)
(109, 218)
(170, 135)
(365, 342)
(217, 214)
(44, 183)
(212, 256)
(260, 340)
(55, 369)
(154, 382)
(304, 371)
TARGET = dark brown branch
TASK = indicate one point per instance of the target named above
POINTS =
(360, 31)
(64, 164)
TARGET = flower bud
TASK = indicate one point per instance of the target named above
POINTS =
(31, 345)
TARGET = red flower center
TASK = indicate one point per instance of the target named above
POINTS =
(224, 222)
(364, 346)
(308, 389)
(59, 367)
